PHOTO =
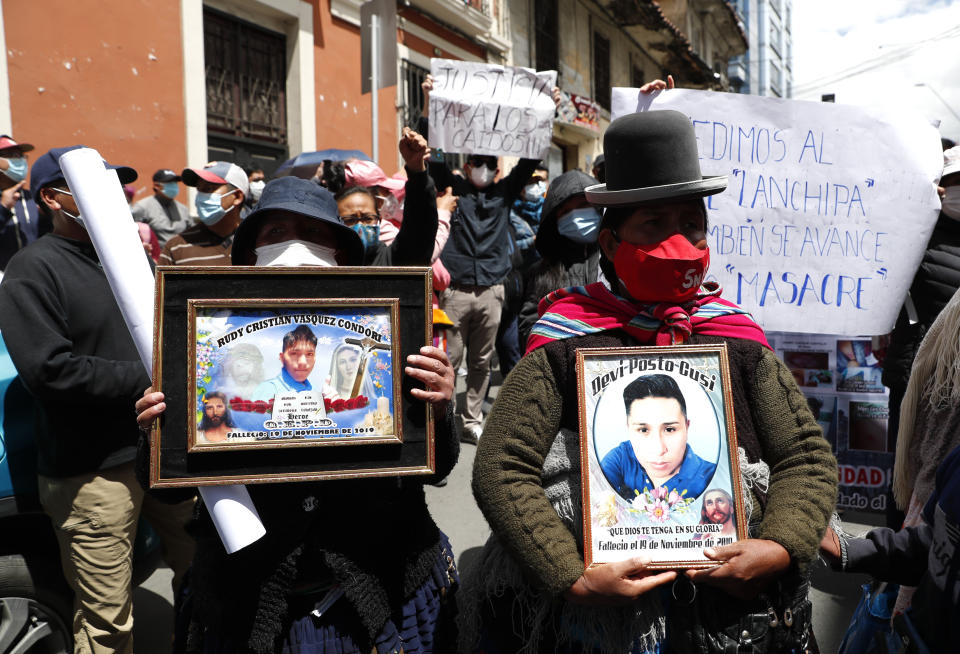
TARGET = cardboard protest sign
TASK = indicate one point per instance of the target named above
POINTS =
(828, 208)
(481, 108)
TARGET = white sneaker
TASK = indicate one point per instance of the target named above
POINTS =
(471, 435)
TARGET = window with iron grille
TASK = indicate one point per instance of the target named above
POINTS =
(546, 19)
(412, 76)
(601, 71)
(246, 78)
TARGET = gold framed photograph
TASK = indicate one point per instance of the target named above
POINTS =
(293, 373)
(660, 469)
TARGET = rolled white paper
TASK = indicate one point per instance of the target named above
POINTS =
(234, 515)
(106, 215)
(107, 218)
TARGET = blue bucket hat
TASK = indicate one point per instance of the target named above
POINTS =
(304, 198)
(46, 170)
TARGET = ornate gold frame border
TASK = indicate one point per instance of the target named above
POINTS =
(720, 351)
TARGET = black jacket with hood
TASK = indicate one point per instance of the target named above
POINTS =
(564, 262)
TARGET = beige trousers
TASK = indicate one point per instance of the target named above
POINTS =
(476, 313)
(95, 519)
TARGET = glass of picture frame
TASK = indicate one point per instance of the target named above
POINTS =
(660, 468)
(289, 374)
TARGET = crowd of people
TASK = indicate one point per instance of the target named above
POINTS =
(526, 269)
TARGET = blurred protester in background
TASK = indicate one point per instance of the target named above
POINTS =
(369, 175)
(74, 353)
(524, 223)
(567, 243)
(257, 181)
(477, 255)
(161, 211)
(600, 169)
(923, 556)
(530, 203)
(221, 189)
(20, 222)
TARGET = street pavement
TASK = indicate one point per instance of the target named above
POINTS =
(834, 595)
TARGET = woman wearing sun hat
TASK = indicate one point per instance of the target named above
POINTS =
(533, 593)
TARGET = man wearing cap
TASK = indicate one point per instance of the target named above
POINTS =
(72, 349)
(161, 211)
(20, 223)
(221, 189)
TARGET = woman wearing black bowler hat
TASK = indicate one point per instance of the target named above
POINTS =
(532, 592)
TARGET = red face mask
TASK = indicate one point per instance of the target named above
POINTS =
(668, 271)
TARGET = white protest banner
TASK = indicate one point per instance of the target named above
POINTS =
(828, 207)
(481, 108)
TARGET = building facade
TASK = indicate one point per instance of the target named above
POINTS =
(596, 45)
(175, 83)
(767, 67)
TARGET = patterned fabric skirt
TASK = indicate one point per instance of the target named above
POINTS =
(424, 624)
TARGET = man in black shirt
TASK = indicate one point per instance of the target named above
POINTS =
(72, 349)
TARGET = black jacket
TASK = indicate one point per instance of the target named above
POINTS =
(414, 243)
(478, 250)
(935, 282)
(70, 344)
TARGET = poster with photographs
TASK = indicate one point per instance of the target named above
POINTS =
(841, 378)
(292, 373)
(659, 452)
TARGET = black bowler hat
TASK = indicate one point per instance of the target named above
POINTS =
(652, 156)
(304, 198)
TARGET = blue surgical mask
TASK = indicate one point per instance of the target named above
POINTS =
(580, 225)
(16, 168)
(209, 207)
(170, 189)
(369, 234)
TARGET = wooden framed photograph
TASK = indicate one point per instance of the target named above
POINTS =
(660, 468)
(287, 374)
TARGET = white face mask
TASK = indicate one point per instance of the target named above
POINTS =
(535, 191)
(296, 253)
(951, 202)
(481, 176)
(256, 188)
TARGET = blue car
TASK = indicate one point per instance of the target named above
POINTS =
(36, 609)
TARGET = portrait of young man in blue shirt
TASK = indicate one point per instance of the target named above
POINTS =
(657, 453)
(298, 357)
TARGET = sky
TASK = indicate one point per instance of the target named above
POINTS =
(903, 43)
